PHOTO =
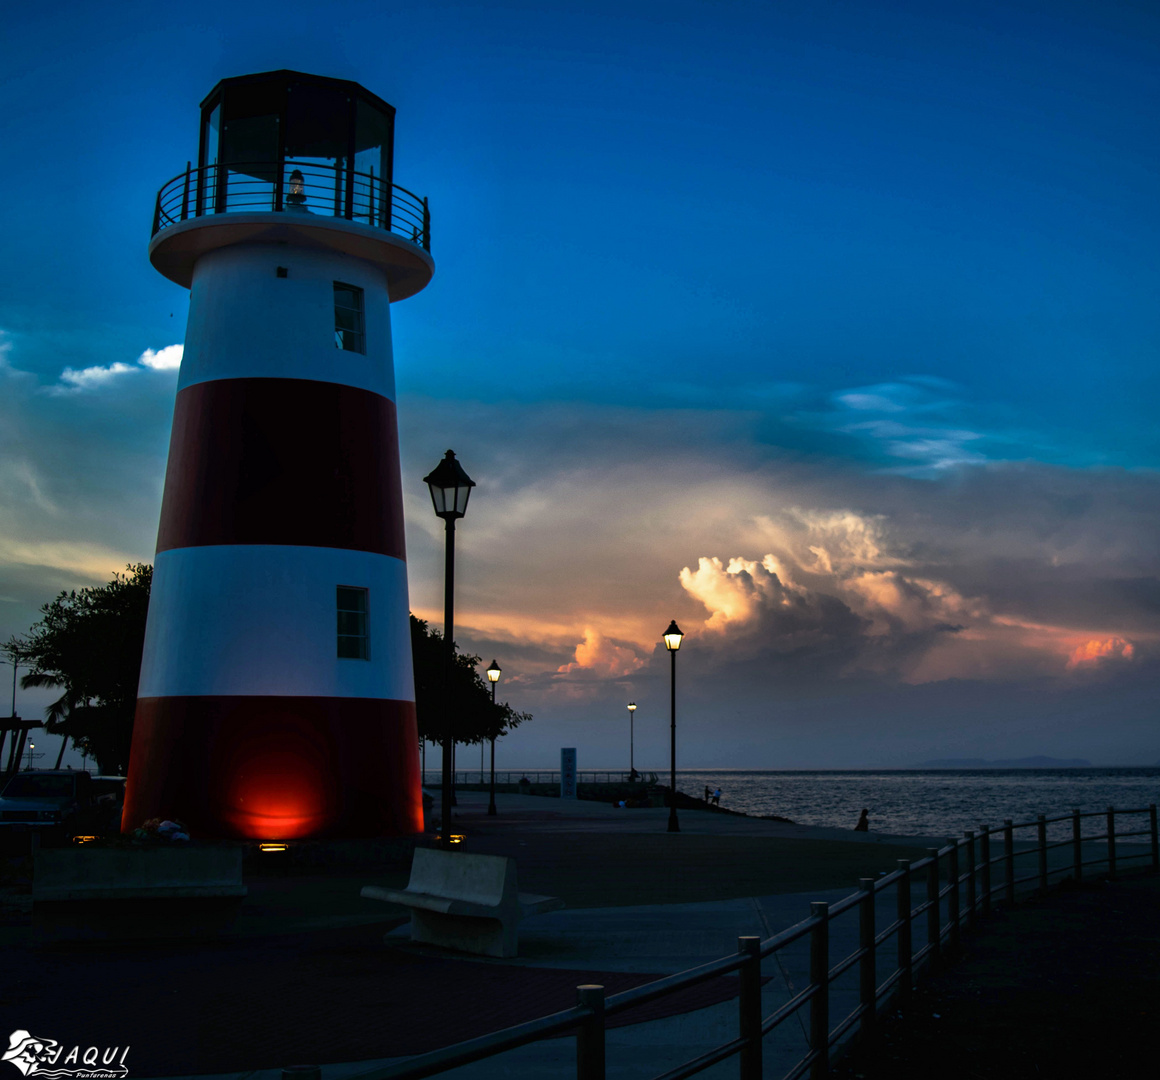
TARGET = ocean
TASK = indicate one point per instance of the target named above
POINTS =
(927, 802)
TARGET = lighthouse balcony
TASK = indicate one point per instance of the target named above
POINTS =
(323, 207)
(321, 190)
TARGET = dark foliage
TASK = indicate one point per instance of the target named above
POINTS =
(89, 644)
(473, 717)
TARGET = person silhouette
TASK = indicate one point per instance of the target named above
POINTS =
(863, 822)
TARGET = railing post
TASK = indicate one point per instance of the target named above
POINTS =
(867, 975)
(156, 226)
(590, 1034)
(972, 900)
(985, 868)
(1155, 838)
(1009, 860)
(1041, 849)
(953, 915)
(820, 981)
(426, 224)
(1111, 843)
(1076, 846)
(905, 948)
(932, 913)
(749, 1007)
(185, 193)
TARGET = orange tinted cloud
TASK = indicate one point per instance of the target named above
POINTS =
(1095, 650)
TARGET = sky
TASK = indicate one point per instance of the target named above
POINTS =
(829, 330)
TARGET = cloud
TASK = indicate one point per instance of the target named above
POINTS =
(167, 359)
(599, 656)
(1095, 651)
(92, 378)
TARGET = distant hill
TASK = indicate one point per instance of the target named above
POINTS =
(1038, 762)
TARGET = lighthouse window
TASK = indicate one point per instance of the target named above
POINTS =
(349, 329)
(353, 639)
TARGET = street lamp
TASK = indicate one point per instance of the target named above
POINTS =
(450, 487)
(673, 637)
(631, 766)
(31, 747)
(493, 674)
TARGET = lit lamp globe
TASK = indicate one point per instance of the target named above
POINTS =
(450, 488)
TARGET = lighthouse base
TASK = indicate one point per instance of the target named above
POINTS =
(276, 768)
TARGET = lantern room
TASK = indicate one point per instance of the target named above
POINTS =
(285, 140)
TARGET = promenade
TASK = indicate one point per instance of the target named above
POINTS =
(307, 975)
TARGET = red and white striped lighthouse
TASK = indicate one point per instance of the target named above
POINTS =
(276, 697)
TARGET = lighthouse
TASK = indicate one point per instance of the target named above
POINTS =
(276, 699)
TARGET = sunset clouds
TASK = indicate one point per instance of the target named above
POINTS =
(850, 369)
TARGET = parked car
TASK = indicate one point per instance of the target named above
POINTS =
(60, 804)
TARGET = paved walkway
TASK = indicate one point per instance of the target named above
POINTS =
(308, 975)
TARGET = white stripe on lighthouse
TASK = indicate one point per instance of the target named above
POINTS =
(261, 620)
(245, 322)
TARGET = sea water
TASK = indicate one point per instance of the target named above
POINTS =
(929, 802)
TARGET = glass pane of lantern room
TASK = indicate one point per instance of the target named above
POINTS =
(207, 166)
(251, 121)
(372, 165)
(318, 120)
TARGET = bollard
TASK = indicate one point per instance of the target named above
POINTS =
(1009, 860)
(932, 913)
(985, 868)
(590, 1034)
(905, 949)
(1111, 843)
(867, 975)
(1041, 832)
(1076, 846)
(820, 983)
(971, 898)
(749, 1007)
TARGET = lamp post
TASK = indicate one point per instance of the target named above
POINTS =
(31, 747)
(450, 487)
(673, 637)
(493, 674)
(631, 765)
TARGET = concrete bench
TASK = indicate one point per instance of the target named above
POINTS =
(93, 894)
(465, 902)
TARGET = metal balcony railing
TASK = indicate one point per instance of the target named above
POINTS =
(294, 188)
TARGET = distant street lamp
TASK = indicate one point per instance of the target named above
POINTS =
(673, 637)
(450, 487)
(493, 674)
(631, 765)
(31, 747)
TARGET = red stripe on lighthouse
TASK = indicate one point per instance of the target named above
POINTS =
(276, 768)
(283, 461)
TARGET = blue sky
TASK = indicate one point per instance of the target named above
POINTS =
(740, 309)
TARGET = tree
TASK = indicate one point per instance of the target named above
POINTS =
(474, 718)
(89, 644)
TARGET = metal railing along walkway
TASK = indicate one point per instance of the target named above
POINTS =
(599, 776)
(974, 877)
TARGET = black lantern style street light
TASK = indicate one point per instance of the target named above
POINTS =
(493, 674)
(450, 487)
(631, 765)
(673, 637)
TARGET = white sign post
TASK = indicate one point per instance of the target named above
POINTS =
(568, 772)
